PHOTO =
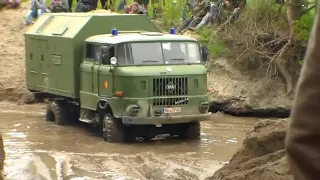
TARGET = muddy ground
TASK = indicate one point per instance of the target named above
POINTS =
(40, 150)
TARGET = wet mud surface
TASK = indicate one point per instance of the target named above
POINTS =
(40, 150)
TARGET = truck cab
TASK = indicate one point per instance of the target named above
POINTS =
(146, 78)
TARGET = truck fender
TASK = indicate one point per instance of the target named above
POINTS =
(103, 104)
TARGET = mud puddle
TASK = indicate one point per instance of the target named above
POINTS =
(41, 150)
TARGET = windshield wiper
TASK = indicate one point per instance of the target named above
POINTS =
(145, 61)
(150, 61)
(179, 59)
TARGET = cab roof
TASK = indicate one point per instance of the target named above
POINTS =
(137, 37)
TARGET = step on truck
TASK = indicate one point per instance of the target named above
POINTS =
(117, 72)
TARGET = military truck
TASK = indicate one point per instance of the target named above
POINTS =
(117, 72)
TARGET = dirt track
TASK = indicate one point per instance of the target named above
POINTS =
(37, 149)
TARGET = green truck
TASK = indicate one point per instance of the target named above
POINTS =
(117, 72)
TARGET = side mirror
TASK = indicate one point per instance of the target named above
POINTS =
(113, 61)
(205, 53)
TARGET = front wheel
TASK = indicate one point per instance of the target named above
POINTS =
(190, 130)
(113, 129)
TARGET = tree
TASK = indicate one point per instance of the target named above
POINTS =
(282, 58)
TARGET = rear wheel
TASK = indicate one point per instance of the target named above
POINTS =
(49, 113)
(57, 111)
(190, 130)
(113, 129)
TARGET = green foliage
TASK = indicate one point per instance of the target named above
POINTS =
(168, 10)
(215, 45)
(304, 26)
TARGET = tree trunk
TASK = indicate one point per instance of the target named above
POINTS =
(293, 14)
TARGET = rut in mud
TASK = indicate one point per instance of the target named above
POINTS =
(37, 149)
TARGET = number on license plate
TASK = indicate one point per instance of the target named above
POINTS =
(171, 110)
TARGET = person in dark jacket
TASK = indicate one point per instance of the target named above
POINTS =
(302, 140)
(85, 6)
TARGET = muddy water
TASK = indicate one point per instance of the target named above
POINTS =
(41, 150)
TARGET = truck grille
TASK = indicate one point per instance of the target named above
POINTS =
(170, 101)
(172, 86)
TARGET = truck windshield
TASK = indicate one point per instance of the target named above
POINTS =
(158, 53)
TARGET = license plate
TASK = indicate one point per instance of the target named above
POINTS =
(171, 110)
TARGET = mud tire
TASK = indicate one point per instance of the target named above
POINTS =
(191, 131)
(60, 112)
(49, 113)
(113, 129)
(74, 113)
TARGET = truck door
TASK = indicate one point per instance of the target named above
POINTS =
(44, 63)
(87, 95)
(105, 77)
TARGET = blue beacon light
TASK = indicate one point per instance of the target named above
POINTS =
(172, 30)
(114, 31)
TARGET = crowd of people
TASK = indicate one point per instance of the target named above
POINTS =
(38, 7)
(203, 11)
(207, 12)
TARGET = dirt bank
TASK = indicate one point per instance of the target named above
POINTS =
(12, 78)
(2, 156)
(262, 155)
(234, 91)
(246, 93)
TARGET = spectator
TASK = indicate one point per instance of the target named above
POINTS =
(136, 8)
(234, 6)
(85, 6)
(145, 4)
(189, 5)
(122, 5)
(38, 7)
(214, 11)
(126, 9)
(70, 2)
(59, 6)
(12, 4)
(200, 10)
(105, 4)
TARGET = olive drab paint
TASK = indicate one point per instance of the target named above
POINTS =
(58, 65)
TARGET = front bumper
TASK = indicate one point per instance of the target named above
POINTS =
(166, 119)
